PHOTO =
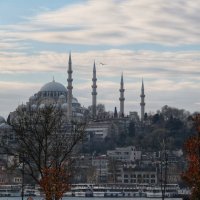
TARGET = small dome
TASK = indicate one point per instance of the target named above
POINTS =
(79, 114)
(33, 107)
(2, 120)
(42, 106)
(64, 106)
(62, 99)
(62, 96)
(5, 126)
(53, 87)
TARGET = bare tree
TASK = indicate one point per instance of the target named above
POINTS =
(46, 143)
(113, 167)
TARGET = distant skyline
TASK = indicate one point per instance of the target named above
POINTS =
(156, 40)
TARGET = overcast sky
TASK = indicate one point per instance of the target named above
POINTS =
(158, 40)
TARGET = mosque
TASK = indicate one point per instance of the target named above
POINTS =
(98, 127)
(56, 93)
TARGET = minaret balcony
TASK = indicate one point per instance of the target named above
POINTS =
(69, 87)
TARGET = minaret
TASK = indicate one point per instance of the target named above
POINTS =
(69, 87)
(94, 92)
(121, 99)
(142, 104)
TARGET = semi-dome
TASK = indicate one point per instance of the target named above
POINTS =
(32, 98)
(42, 106)
(2, 120)
(74, 100)
(53, 87)
(62, 96)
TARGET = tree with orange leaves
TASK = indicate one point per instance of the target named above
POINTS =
(47, 143)
(192, 148)
(55, 182)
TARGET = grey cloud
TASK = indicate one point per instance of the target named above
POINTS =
(94, 22)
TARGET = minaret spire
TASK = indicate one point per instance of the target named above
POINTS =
(142, 104)
(121, 99)
(69, 87)
(94, 91)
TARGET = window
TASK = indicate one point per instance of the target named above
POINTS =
(139, 176)
(152, 175)
(125, 176)
(132, 175)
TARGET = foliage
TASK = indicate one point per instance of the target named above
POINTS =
(131, 129)
(168, 122)
(192, 148)
(55, 182)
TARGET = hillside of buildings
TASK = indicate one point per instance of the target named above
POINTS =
(124, 149)
(127, 150)
(172, 125)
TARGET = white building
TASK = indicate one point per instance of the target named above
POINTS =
(125, 154)
(98, 130)
(138, 175)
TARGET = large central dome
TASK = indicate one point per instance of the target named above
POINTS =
(53, 87)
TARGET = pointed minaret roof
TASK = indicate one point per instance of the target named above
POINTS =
(94, 67)
(122, 79)
(70, 60)
(70, 63)
(142, 84)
